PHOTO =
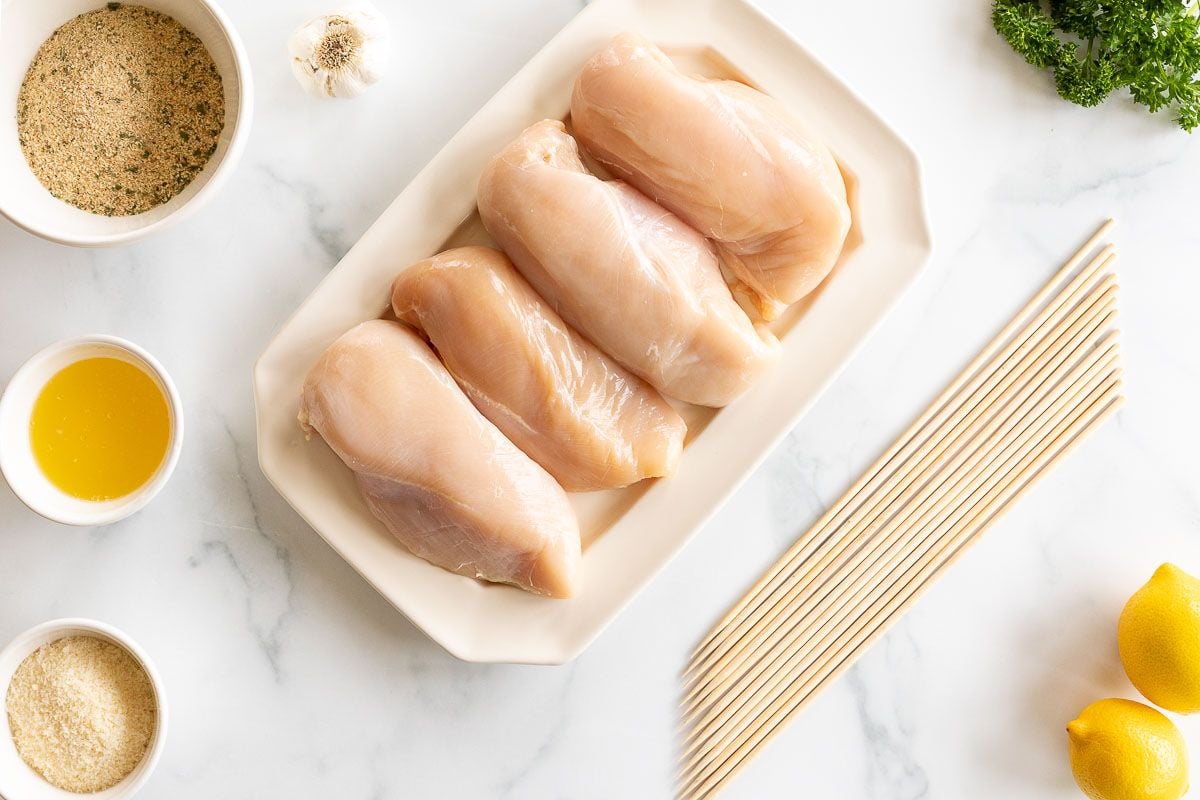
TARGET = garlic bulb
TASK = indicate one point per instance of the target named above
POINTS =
(341, 54)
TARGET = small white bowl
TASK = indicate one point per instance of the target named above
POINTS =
(17, 780)
(17, 461)
(23, 199)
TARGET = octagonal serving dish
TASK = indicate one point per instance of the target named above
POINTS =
(630, 534)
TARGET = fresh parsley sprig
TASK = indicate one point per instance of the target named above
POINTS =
(1095, 48)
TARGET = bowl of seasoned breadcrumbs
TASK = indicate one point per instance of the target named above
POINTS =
(84, 713)
(117, 119)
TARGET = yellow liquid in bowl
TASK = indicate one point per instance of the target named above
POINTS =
(100, 428)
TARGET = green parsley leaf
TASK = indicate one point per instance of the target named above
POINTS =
(1096, 47)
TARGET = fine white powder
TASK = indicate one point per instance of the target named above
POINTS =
(82, 713)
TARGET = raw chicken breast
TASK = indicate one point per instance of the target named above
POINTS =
(442, 478)
(574, 410)
(624, 271)
(728, 159)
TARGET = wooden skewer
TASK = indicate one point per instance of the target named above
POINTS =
(947, 395)
(1053, 449)
(1073, 326)
(925, 491)
(1080, 333)
(917, 491)
(733, 765)
(1035, 416)
(960, 500)
(1032, 367)
(757, 691)
(743, 737)
(997, 352)
(957, 459)
(987, 387)
(969, 462)
(899, 542)
(924, 487)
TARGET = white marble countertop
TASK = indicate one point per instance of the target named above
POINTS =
(289, 677)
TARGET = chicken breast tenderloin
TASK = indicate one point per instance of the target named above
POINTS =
(622, 270)
(442, 478)
(728, 159)
(574, 410)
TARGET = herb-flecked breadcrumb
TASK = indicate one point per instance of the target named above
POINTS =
(121, 108)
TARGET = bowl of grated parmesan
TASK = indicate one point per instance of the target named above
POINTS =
(84, 713)
(117, 119)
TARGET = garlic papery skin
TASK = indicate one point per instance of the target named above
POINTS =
(341, 54)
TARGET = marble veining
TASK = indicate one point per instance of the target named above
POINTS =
(330, 238)
(289, 676)
(885, 715)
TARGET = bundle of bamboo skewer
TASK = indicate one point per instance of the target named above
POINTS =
(1047, 380)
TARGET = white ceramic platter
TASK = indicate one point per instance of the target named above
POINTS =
(632, 533)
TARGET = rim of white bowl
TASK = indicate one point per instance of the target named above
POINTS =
(99, 514)
(21, 646)
(221, 170)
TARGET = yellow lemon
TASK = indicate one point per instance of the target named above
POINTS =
(1124, 750)
(1159, 638)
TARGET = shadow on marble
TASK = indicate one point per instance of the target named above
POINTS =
(1069, 655)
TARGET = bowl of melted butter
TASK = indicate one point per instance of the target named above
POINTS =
(90, 430)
